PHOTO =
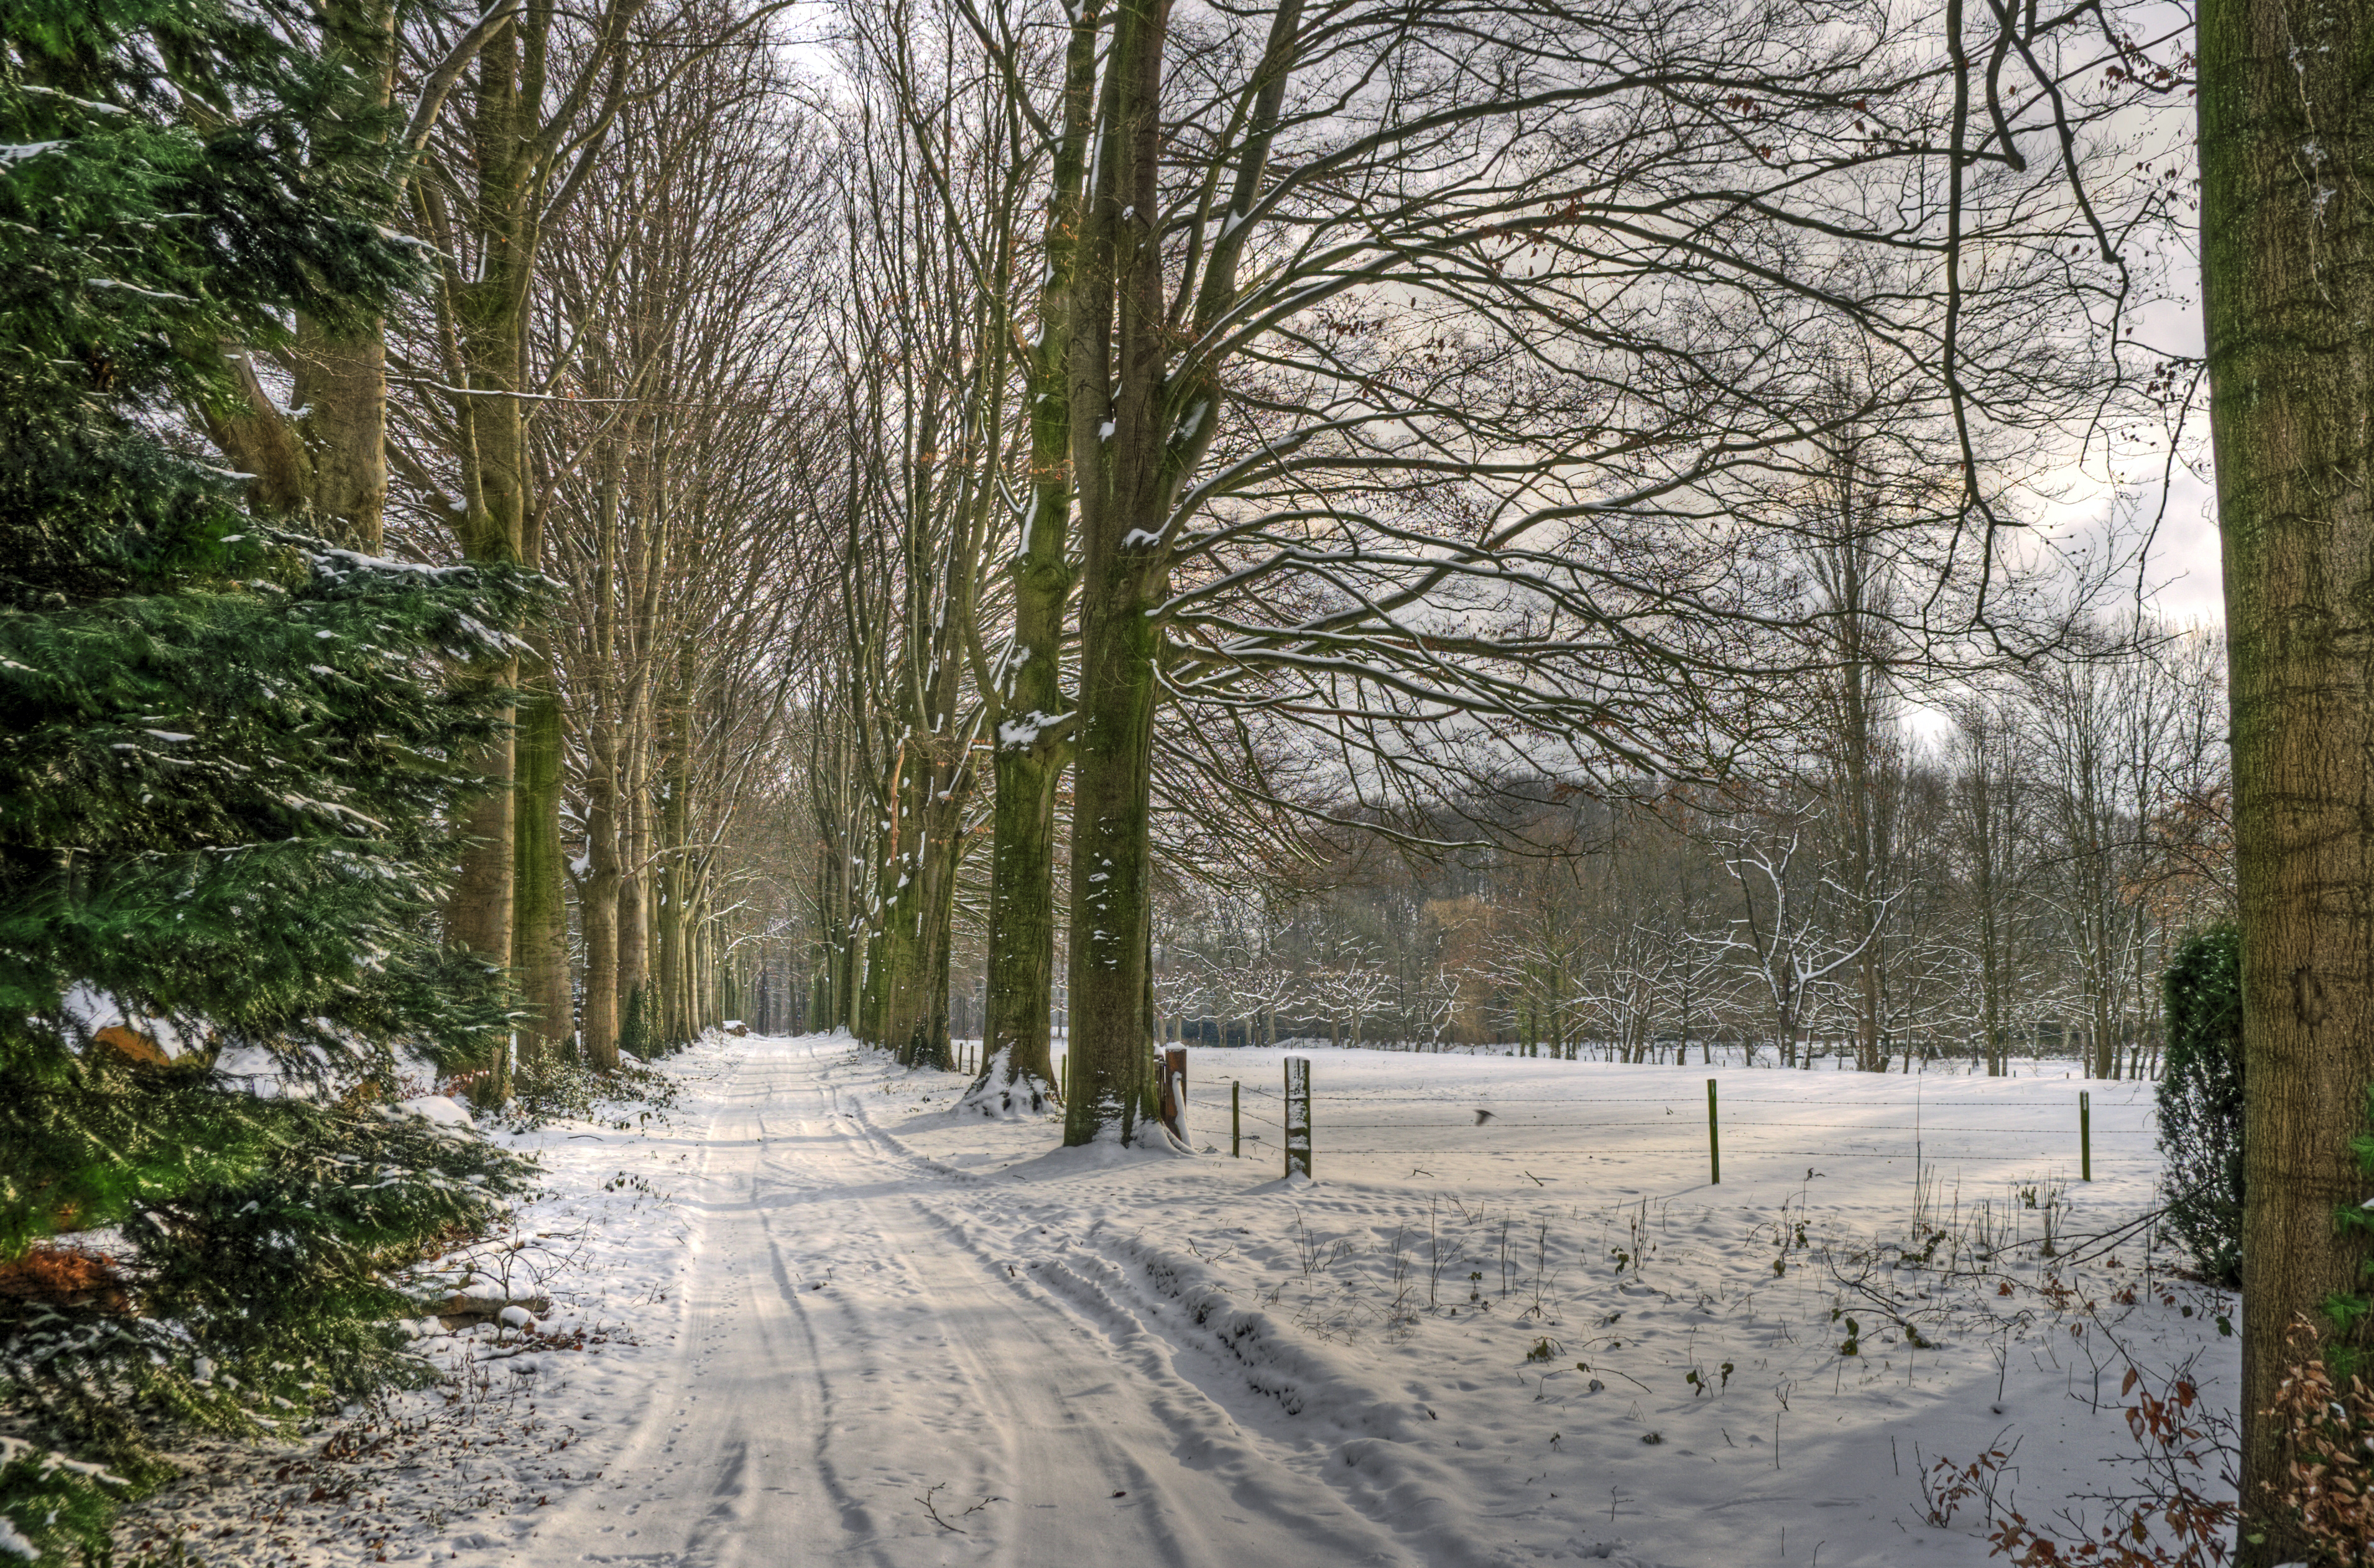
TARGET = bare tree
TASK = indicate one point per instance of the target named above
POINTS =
(1397, 455)
(1996, 830)
(672, 466)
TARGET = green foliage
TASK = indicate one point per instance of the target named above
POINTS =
(52, 1507)
(225, 752)
(2201, 1101)
(2352, 1313)
(292, 1261)
(265, 1239)
(637, 1037)
(560, 1087)
(228, 757)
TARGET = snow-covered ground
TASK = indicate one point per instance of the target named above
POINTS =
(816, 1313)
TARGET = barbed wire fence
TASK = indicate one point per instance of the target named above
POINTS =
(1257, 1115)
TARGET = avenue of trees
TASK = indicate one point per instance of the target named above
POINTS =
(1522, 521)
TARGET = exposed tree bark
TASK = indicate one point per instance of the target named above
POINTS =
(635, 894)
(1031, 723)
(488, 309)
(598, 896)
(2287, 226)
(919, 910)
(674, 880)
(340, 372)
(1123, 413)
(540, 922)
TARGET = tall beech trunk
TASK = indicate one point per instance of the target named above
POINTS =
(487, 314)
(325, 465)
(477, 913)
(831, 798)
(341, 383)
(674, 976)
(1140, 424)
(668, 968)
(488, 306)
(1019, 1021)
(634, 886)
(1112, 1029)
(540, 907)
(598, 891)
(598, 906)
(1117, 448)
(2287, 265)
(340, 372)
(918, 924)
(1032, 727)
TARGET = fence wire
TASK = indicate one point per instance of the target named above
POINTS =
(1920, 1137)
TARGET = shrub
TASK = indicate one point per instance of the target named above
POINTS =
(2201, 1101)
(637, 1038)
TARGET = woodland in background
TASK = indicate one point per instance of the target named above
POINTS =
(2015, 887)
(758, 348)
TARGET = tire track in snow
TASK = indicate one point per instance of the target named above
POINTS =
(1083, 1403)
(717, 1453)
(847, 1343)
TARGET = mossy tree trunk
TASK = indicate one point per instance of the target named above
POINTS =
(600, 886)
(918, 918)
(635, 898)
(488, 306)
(598, 906)
(1032, 721)
(2286, 143)
(672, 979)
(540, 923)
(1142, 421)
(322, 462)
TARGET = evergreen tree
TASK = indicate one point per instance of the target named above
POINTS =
(2201, 1101)
(229, 755)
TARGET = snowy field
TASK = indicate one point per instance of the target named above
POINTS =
(814, 1313)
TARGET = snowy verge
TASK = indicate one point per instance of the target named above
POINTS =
(548, 1335)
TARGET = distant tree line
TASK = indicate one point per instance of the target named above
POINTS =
(2009, 882)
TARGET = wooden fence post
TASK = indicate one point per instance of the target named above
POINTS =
(1297, 1115)
(1236, 1119)
(1714, 1140)
(1172, 1087)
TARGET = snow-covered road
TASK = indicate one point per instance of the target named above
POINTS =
(863, 1377)
(815, 1312)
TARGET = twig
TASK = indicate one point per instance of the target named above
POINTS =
(928, 1500)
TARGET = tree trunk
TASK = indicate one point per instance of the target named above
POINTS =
(917, 929)
(635, 903)
(1137, 430)
(675, 979)
(488, 308)
(1112, 806)
(2287, 266)
(1031, 742)
(477, 914)
(1019, 1028)
(540, 918)
(325, 466)
(598, 900)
